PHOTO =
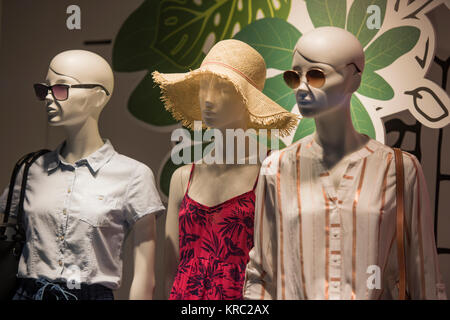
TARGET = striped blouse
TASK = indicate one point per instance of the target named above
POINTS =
(315, 242)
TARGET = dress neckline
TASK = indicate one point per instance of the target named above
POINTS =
(221, 203)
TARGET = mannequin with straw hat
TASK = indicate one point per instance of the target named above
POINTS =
(208, 239)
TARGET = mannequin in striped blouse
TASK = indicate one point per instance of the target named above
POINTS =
(326, 205)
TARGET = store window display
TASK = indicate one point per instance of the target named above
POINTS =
(325, 219)
(209, 226)
(83, 198)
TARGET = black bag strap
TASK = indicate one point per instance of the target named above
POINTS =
(12, 183)
(20, 230)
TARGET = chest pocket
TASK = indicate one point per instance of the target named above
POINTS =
(97, 209)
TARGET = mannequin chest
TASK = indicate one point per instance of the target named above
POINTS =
(214, 184)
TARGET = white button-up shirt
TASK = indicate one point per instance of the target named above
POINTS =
(313, 241)
(77, 216)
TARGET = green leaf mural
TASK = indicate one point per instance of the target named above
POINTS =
(327, 12)
(357, 19)
(375, 87)
(184, 26)
(390, 46)
(306, 127)
(132, 47)
(278, 91)
(274, 39)
(360, 118)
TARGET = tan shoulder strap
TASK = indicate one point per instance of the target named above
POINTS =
(400, 187)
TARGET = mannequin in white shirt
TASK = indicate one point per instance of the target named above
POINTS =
(79, 119)
(78, 116)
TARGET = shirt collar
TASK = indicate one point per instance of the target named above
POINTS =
(363, 152)
(94, 161)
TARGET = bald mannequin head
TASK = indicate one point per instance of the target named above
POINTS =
(85, 66)
(331, 45)
(75, 68)
(333, 55)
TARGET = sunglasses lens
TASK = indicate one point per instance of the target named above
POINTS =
(60, 92)
(40, 90)
(292, 79)
(315, 78)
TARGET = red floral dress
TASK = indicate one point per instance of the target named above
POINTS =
(214, 246)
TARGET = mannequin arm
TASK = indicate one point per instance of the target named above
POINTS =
(423, 275)
(260, 274)
(178, 184)
(143, 284)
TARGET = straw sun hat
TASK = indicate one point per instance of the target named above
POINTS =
(244, 67)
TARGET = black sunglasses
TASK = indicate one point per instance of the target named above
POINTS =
(61, 91)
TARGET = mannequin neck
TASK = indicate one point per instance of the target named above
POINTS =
(81, 140)
(337, 136)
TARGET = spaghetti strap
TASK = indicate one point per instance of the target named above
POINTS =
(190, 177)
(256, 182)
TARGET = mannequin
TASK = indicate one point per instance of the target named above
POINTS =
(208, 185)
(334, 193)
(105, 217)
(209, 226)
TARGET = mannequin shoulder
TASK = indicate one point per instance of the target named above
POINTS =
(131, 166)
(180, 178)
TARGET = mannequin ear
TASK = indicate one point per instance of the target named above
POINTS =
(355, 80)
(99, 97)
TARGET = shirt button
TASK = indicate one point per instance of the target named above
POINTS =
(68, 190)
(64, 211)
(62, 238)
(335, 285)
(60, 262)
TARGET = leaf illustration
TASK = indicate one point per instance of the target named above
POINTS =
(374, 86)
(357, 19)
(327, 12)
(360, 118)
(279, 92)
(390, 46)
(273, 38)
(306, 127)
(132, 47)
(145, 104)
(184, 26)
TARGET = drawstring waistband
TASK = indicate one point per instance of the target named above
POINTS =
(53, 288)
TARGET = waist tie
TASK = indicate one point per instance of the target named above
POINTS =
(53, 288)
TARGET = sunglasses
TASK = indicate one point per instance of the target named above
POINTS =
(314, 77)
(61, 91)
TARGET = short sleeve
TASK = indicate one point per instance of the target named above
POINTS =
(142, 197)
